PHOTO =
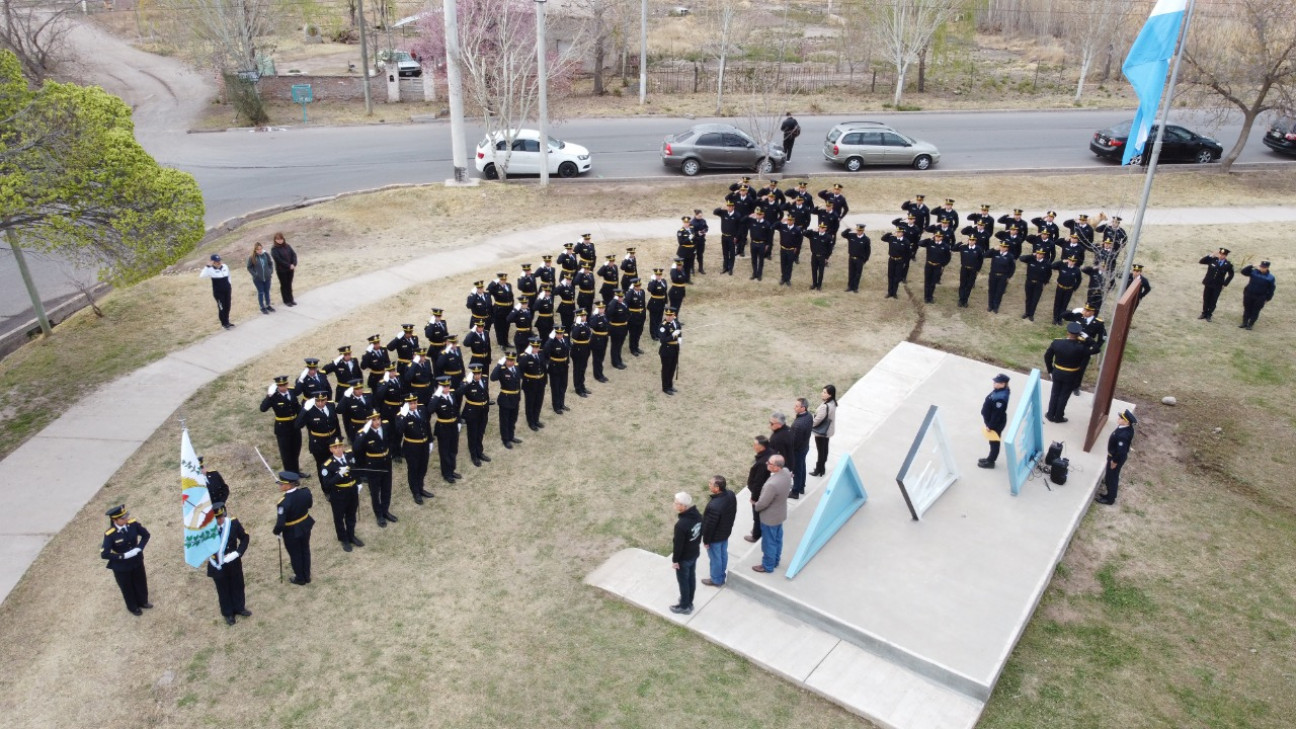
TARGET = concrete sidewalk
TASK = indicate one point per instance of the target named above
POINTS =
(37, 501)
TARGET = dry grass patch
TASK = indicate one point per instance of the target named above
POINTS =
(471, 610)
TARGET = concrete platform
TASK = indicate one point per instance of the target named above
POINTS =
(908, 623)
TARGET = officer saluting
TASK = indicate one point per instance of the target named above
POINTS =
(225, 567)
(1065, 360)
(294, 524)
(339, 484)
(1118, 447)
(123, 547)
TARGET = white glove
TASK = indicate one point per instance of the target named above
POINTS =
(130, 553)
(271, 389)
(459, 426)
(232, 556)
(501, 361)
(345, 470)
(675, 334)
(1077, 311)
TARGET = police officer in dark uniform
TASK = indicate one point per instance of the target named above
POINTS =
(800, 208)
(1039, 272)
(565, 293)
(830, 217)
(1014, 221)
(1111, 230)
(321, 424)
(685, 248)
(669, 336)
(580, 352)
(700, 229)
(545, 273)
(971, 257)
(354, 409)
(584, 283)
(1044, 241)
(1014, 238)
(586, 253)
(568, 263)
(217, 489)
(225, 567)
(1258, 292)
(1136, 278)
(600, 328)
(629, 269)
(731, 226)
(790, 236)
(657, 295)
(981, 232)
(419, 376)
(938, 257)
(1118, 447)
(436, 331)
(509, 398)
(311, 380)
(820, 249)
(679, 280)
(345, 369)
(294, 524)
(608, 275)
(1045, 222)
(994, 414)
(373, 451)
(1093, 334)
(1081, 227)
(636, 301)
(897, 260)
(1002, 267)
(984, 220)
(287, 432)
(341, 488)
(557, 355)
(919, 209)
(480, 305)
(414, 430)
(618, 315)
(526, 284)
(947, 217)
(123, 547)
(404, 347)
(1073, 248)
(534, 372)
(858, 249)
(450, 362)
(744, 205)
(761, 232)
(1219, 273)
(1065, 360)
(390, 395)
(446, 409)
(1068, 280)
(375, 359)
(477, 342)
(543, 310)
(521, 318)
(501, 292)
(474, 394)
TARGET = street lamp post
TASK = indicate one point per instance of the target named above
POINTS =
(542, 79)
(454, 90)
(643, 51)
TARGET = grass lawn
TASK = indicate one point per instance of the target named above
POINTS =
(1173, 609)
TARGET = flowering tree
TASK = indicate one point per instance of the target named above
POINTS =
(497, 58)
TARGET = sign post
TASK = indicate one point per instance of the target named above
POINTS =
(301, 94)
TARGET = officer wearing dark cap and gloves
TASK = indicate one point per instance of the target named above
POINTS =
(123, 547)
(994, 414)
(225, 567)
(1065, 361)
(1118, 446)
(293, 525)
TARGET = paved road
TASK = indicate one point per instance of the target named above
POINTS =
(243, 171)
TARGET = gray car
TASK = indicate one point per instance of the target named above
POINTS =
(859, 144)
(719, 146)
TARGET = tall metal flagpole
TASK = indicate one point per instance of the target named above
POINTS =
(1156, 154)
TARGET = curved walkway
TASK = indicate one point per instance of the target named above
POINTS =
(106, 428)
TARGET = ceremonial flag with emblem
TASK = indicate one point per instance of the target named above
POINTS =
(1146, 67)
(200, 529)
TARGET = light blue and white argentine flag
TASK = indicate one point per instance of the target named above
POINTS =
(1146, 67)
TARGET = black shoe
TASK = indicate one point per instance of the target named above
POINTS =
(356, 541)
(680, 610)
(582, 393)
(297, 581)
(669, 392)
(600, 378)
(391, 517)
(303, 476)
(1102, 500)
(147, 606)
(449, 479)
(517, 440)
(558, 411)
(418, 499)
(346, 546)
(794, 495)
(244, 613)
(137, 612)
(1208, 317)
(271, 308)
(534, 428)
(566, 409)
(263, 311)
(540, 423)
(1201, 316)
(985, 463)
(382, 523)
(619, 366)
(476, 462)
(229, 619)
(484, 457)
(228, 326)
(292, 303)
(508, 444)
(427, 494)
(456, 474)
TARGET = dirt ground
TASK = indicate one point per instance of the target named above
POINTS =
(1178, 601)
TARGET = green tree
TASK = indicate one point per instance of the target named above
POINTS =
(73, 180)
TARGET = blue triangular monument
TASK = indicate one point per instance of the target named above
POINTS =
(845, 495)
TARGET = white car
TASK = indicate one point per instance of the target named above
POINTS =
(493, 154)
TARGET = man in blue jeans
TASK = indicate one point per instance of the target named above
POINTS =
(771, 509)
(684, 556)
(717, 525)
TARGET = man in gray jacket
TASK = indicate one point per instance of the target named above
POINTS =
(771, 509)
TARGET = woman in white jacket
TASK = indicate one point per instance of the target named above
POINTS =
(824, 425)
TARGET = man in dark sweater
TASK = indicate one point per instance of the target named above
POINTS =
(684, 556)
(756, 478)
(717, 525)
(801, 427)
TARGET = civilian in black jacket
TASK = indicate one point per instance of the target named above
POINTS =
(285, 265)
(225, 567)
(684, 556)
(756, 478)
(717, 525)
(801, 430)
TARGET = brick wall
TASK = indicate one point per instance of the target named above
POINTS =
(344, 88)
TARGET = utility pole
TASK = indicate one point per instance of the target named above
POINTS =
(27, 281)
(454, 89)
(542, 78)
(364, 60)
(643, 51)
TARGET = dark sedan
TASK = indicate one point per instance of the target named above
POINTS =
(1281, 137)
(1179, 145)
(719, 146)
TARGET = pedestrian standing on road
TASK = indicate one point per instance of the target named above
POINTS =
(219, 274)
(261, 267)
(824, 426)
(994, 414)
(771, 510)
(791, 130)
(717, 525)
(285, 262)
(123, 547)
(684, 555)
(1257, 293)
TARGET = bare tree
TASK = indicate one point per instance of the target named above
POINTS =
(497, 44)
(726, 11)
(904, 28)
(1243, 62)
(35, 31)
(231, 35)
(1088, 26)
